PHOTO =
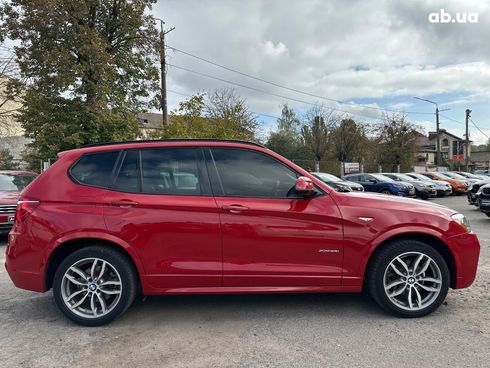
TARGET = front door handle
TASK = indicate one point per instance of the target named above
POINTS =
(234, 208)
(124, 203)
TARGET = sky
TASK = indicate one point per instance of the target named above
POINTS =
(356, 57)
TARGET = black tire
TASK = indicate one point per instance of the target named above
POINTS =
(376, 274)
(125, 271)
(385, 191)
(487, 213)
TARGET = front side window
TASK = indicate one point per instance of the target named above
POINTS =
(95, 169)
(246, 173)
(174, 171)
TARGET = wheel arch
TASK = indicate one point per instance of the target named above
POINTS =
(68, 246)
(434, 242)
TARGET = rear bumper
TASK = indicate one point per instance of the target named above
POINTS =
(19, 266)
(466, 251)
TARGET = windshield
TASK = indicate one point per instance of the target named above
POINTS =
(420, 177)
(326, 177)
(455, 176)
(443, 176)
(382, 177)
(15, 182)
(403, 177)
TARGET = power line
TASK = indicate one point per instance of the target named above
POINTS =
(477, 127)
(268, 93)
(292, 89)
(253, 112)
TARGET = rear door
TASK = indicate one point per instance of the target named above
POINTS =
(271, 237)
(161, 204)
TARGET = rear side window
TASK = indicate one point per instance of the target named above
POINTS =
(95, 169)
(246, 173)
(177, 171)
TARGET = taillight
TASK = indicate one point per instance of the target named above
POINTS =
(25, 206)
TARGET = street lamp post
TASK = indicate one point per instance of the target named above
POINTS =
(438, 148)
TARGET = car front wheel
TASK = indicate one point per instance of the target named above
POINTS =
(94, 285)
(408, 278)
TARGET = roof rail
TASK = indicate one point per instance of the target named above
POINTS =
(172, 140)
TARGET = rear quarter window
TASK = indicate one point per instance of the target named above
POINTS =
(95, 169)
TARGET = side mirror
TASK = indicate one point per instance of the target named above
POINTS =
(374, 181)
(304, 186)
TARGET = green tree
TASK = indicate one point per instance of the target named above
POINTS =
(90, 68)
(7, 161)
(316, 131)
(349, 141)
(287, 139)
(222, 115)
(396, 143)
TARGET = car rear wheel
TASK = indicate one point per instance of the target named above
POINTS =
(94, 285)
(408, 278)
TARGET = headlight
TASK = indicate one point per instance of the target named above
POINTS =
(462, 220)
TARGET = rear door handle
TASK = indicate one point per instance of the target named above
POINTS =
(124, 203)
(234, 208)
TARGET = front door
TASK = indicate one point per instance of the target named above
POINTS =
(270, 236)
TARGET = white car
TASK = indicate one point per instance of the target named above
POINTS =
(443, 188)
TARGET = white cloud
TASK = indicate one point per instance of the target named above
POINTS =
(340, 49)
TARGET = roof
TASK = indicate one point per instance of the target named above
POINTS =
(17, 172)
(480, 156)
(159, 143)
(432, 135)
(197, 140)
(150, 120)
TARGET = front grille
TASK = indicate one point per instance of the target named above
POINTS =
(475, 188)
(8, 208)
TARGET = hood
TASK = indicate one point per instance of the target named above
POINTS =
(351, 183)
(8, 197)
(387, 202)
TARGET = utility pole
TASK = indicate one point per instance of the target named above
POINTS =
(163, 72)
(467, 143)
(438, 143)
(438, 140)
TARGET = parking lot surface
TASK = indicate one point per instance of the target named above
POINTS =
(308, 330)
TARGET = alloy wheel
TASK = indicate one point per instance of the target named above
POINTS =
(91, 288)
(412, 281)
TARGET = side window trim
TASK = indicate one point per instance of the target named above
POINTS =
(117, 170)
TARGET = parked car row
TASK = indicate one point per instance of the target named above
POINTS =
(416, 184)
(479, 195)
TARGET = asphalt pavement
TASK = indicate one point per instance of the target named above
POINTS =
(307, 330)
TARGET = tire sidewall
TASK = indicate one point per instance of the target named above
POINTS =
(387, 256)
(123, 267)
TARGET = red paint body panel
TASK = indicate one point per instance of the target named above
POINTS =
(206, 244)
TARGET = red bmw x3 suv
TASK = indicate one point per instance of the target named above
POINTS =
(107, 222)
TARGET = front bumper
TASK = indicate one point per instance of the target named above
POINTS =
(427, 193)
(444, 192)
(466, 251)
(485, 205)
